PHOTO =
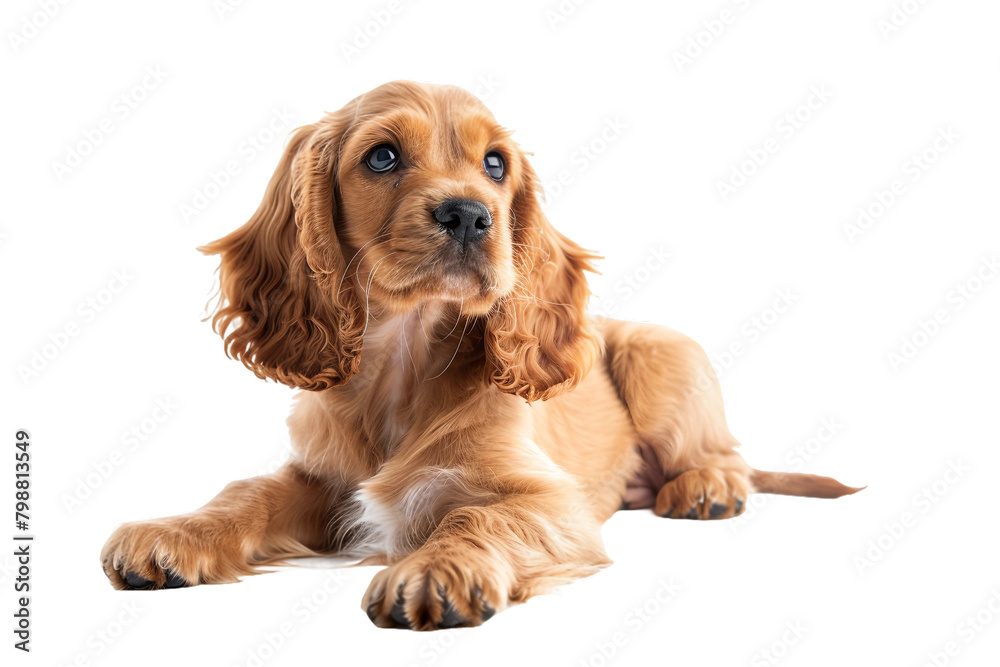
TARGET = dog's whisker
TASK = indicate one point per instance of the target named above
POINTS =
(371, 277)
(348, 268)
(455, 354)
(461, 305)
(408, 353)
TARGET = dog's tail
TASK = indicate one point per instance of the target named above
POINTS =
(799, 484)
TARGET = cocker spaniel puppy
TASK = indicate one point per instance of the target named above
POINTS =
(464, 421)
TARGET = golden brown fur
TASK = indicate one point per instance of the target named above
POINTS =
(464, 420)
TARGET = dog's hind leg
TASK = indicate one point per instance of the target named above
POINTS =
(690, 463)
(691, 468)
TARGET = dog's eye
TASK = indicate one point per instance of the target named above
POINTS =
(493, 163)
(382, 158)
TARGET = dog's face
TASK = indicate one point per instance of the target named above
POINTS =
(427, 181)
(409, 194)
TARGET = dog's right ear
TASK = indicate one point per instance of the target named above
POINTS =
(282, 310)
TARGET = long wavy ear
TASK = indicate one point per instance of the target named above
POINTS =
(539, 342)
(281, 310)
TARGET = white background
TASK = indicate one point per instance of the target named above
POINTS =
(683, 127)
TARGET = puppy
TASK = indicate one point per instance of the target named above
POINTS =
(464, 421)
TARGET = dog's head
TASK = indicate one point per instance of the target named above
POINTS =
(409, 194)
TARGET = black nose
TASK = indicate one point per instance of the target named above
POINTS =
(465, 219)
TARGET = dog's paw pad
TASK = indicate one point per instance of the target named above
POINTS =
(174, 580)
(137, 581)
(397, 612)
(450, 618)
(703, 493)
(419, 594)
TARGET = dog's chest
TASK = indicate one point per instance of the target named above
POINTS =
(397, 356)
(395, 521)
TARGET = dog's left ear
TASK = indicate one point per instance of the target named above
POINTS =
(539, 341)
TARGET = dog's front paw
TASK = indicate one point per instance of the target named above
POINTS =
(703, 493)
(422, 592)
(167, 553)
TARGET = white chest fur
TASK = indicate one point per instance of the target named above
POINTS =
(395, 527)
